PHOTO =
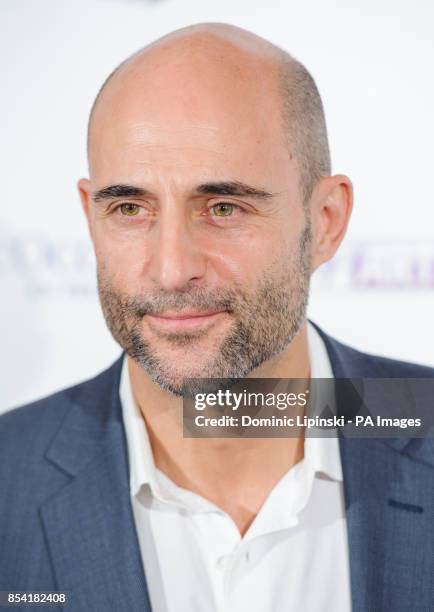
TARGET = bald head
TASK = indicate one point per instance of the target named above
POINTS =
(204, 68)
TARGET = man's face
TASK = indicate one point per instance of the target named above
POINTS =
(204, 266)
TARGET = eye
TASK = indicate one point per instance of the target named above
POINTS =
(223, 209)
(129, 209)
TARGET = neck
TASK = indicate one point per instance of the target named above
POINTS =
(236, 474)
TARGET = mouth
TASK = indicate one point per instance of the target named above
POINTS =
(184, 321)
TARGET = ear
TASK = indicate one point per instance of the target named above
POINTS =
(85, 191)
(331, 206)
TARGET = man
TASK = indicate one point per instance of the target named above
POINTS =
(210, 203)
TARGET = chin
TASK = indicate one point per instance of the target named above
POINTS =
(185, 381)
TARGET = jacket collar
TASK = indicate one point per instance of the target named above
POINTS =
(348, 363)
(94, 411)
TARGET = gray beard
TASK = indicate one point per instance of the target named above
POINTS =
(264, 325)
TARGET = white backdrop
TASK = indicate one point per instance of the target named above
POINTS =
(373, 62)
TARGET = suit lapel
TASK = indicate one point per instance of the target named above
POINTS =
(89, 523)
(390, 512)
(390, 509)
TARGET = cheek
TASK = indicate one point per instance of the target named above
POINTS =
(246, 259)
(120, 260)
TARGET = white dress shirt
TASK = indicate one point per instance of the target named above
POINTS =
(294, 556)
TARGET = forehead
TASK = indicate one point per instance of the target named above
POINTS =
(195, 113)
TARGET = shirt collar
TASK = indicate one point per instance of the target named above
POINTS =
(321, 455)
(141, 460)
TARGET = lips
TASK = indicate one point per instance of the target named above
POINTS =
(190, 314)
(184, 321)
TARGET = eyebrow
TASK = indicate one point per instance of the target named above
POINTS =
(234, 188)
(119, 191)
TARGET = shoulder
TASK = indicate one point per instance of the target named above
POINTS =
(69, 420)
(30, 426)
(348, 362)
(387, 367)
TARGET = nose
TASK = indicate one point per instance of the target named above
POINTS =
(176, 258)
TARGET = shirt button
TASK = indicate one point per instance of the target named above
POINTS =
(221, 562)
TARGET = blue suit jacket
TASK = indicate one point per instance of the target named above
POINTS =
(66, 521)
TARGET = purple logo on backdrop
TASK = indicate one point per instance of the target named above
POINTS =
(42, 266)
(391, 263)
